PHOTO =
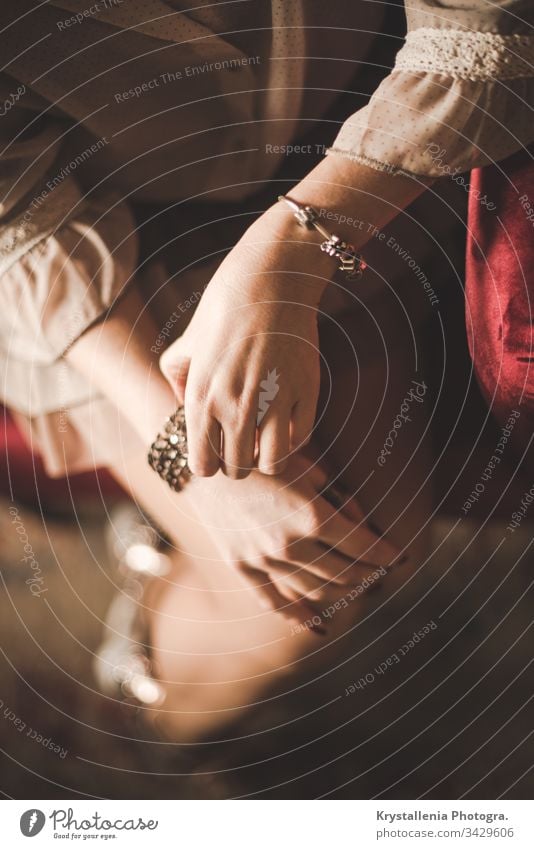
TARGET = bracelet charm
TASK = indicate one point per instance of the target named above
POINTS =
(350, 261)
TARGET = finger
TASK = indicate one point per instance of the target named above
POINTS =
(203, 439)
(351, 509)
(358, 542)
(269, 595)
(238, 448)
(175, 369)
(304, 610)
(342, 500)
(274, 442)
(302, 422)
(317, 472)
(345, 503)
(302, 582)
(325, 563)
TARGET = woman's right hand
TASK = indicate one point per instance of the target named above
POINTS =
(286, 538)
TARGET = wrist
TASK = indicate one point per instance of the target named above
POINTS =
(276, 241)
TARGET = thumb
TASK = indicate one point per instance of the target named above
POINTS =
(175, 363)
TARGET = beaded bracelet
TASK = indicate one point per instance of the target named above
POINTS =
(168, 453)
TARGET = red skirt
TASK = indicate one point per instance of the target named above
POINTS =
(500, 290)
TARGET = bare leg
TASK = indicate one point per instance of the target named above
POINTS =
(215, 647)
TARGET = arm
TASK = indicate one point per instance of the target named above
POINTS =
(461, 88)
(258, 317)
(287, 540)
(115, 357)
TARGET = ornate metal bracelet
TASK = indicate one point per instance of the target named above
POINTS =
(168, 453)
(351, 263)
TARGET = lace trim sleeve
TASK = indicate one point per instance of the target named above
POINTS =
(463, 92)
(467, 55)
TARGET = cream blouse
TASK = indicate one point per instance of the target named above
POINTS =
(460, 96)
(141, 100)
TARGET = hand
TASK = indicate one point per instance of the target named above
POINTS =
(247, 367)
(286, 539)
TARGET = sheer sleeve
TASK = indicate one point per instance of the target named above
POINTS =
(65, 257)
(460, 95)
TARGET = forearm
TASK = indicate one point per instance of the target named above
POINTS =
(115, 356)
(340, 187)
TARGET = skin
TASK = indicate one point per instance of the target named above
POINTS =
(299, 527)
(244, 327)
(259, 314)
(267, 525)
(218, 643)
(273, 551)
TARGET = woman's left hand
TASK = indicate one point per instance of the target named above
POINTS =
(247, 367)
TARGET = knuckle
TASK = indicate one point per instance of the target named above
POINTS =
(286, 549)
(262, 562)
(243, 472)
(284, 552)
(319, 594)
(277, 546)
(202, 465)
(196, 397)
(164, 363)
(167, 356)
(171, 365)
(202, 469)
(345, 578)
(238, 390)
(312, 521)
(332, 524)
(238, 411)
(234, 472)
(270, 469)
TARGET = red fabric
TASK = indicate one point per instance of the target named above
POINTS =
(500, 288)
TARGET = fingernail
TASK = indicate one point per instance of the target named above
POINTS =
(398, 562)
